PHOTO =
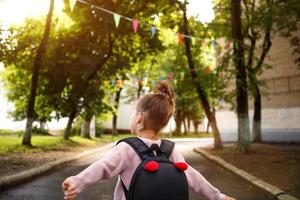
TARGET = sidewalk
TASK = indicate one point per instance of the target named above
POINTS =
(30, 172)
(277, 167)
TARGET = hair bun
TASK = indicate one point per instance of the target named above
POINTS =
(162, 87)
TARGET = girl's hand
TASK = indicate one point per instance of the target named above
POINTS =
(69, 190)
(229, 198)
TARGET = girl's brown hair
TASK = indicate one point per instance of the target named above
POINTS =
(157, 107)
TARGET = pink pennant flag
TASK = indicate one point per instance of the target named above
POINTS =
(135, 25)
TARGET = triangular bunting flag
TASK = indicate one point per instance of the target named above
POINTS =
(153, 30)
(207, 70)
(180, 38)
(113, 82)
(117, 19)
(135, 25)
(120, 83)
(228, 45)
(140, 82)
(182, 75)
(175, 81)
(193, 40)
(213, 43)
(145, 81)
(72, 4)
(236, 45)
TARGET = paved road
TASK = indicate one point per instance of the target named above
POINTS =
(47, 186)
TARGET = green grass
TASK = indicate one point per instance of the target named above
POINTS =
(10, 132)
(11, 143)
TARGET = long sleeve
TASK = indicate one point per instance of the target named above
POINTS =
(197, 182)
(109, 166)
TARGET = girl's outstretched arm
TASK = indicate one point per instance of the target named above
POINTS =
(197, 182)
(109, 166)
(69, 190)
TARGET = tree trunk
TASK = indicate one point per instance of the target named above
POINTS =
(69, 125)
(215, 130)
(243, 144)
(201, 93)
(196, 124)
(115, 116)
(42, 125)
(178, 122)
(34, 78)
(85, 129)
(207, 128)
(177, 131)
(139, 91)
(253, 72)
(256, 127)
(185, 126)
(85, 85)
(188, 125)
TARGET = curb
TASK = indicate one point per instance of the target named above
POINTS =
(8, 181)
(277, 192)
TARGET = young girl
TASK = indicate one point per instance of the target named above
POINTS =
(152, 113)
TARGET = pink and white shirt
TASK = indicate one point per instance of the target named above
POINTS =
(123, 160)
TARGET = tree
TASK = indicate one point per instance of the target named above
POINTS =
(210, 114)
(116, 102)
(19, 47)
(258, 23)
(261, 21)
(170, 65)
(241, 78)
(93, 19)
(34, 80)
(286, 18)
(93, 104)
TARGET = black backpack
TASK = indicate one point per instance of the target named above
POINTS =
(156, 178)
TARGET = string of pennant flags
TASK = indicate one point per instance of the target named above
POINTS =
(171, 77)
(134, 82)
(153, 29)
(135, 25)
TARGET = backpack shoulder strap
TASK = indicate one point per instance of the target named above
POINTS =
(139, 147)
(167, 147)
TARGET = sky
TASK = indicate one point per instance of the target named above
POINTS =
(202, 9)
(15, 11)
